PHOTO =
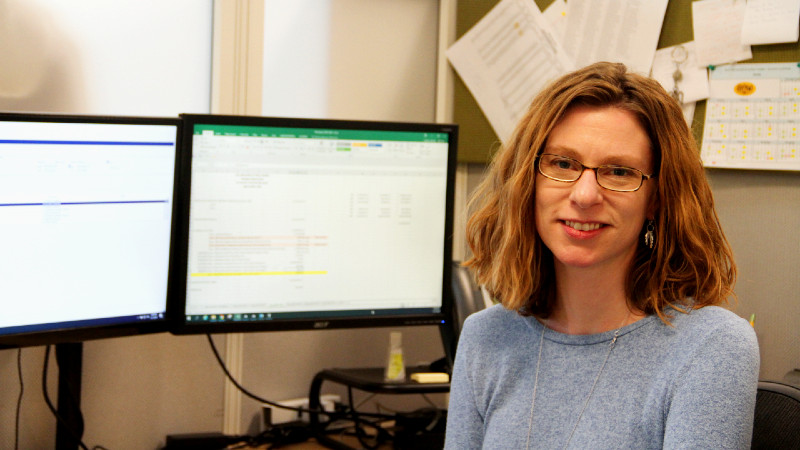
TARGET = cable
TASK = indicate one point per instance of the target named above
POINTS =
(429, 401)
(268, 402)
(241, 388)
(58, 416)
(368, 398)
(19, 399)
(357, 422)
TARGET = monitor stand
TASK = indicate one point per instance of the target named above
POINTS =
(69, 431)
(368, 380)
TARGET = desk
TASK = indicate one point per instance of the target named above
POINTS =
(368, 380)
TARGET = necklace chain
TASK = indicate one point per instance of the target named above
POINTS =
(591, 391)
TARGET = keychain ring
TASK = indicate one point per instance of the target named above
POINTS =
(679, 54)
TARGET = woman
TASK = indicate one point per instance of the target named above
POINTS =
(595, 229)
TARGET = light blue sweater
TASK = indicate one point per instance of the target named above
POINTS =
(689, 385)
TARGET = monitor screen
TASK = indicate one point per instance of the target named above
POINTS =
(86, 217)
(307, 224)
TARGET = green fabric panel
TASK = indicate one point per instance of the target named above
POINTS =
(477, 139)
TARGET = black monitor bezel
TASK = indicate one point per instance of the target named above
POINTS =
(85, 330)
(176, 312)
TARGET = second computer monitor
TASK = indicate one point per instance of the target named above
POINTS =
(303, 224)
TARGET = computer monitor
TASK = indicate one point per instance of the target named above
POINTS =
(86, 218)
(314, 224)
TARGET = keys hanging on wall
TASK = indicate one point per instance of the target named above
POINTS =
(679, 56)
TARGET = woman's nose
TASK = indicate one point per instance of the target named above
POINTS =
(585, 191)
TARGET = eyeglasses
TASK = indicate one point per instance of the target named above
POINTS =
(611, 177)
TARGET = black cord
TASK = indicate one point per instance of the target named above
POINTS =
(268, 402)
(58, 416)
(241, 388)
(19, 399)
(357, 422)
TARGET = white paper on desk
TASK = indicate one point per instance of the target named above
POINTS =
(771, 21)
(506, 59)
(694, 82)
(556, 16)
(717, 26)
(623, 31)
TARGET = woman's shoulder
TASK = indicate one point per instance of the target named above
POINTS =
(716, 327)
(492, 316)
(495, 322)
(710, 318)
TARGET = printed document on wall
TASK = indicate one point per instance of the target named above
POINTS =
(717, 26)
(623, 31)
(556, 16)
(771, 21)
(752, 117)
(506, 59)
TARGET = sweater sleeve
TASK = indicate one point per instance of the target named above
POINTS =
(713, 398)
(464, 422)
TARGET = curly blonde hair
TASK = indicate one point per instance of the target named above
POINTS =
(691, 264)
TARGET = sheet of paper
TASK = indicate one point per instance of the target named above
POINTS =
(693, 83)
(771, 21)
(623, 31)
(717, 28)
(752, 117)
(506, 59)
(556, 16)
(688, 112)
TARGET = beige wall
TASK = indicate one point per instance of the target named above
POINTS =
(760, 213)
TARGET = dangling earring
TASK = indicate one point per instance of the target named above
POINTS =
(650, 235)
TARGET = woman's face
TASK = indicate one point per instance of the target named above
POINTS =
(582, 223)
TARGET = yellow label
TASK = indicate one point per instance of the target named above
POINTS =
(396, 369)
(745, 88)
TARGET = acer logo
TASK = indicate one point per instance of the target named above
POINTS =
(321, 324)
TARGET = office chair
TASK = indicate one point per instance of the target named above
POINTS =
(468, 296)
(777, 416)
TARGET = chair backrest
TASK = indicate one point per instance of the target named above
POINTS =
(777, 416)
(468, 296)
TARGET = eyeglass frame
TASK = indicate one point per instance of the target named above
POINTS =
(644, 176)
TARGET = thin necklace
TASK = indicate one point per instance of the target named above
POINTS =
(591, 391)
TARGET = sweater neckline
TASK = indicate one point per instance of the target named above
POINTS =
(586, 339)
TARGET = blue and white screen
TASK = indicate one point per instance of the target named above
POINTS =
(85, 222)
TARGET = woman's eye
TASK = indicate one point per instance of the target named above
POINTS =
(622, 172)
(564, 164)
